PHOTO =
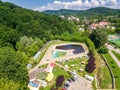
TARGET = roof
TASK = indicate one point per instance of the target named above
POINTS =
(94, 25)
(34, 73)
(103, 23)
(37, 55)
(49, 77)
(52, 64)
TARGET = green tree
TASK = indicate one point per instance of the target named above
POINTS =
(103, 50)
(13, 66)
(118, 30)
(6, 84)
(99, 37)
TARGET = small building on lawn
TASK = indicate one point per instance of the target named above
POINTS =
(50, 77)
(90, 78)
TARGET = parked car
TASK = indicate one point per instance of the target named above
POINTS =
(73, 79)
(69, 80)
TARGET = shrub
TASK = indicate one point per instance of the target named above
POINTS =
(103, 50)
(59, 81)
(91, 63)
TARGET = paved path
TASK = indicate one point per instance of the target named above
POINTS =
(110, 47)
(80, 84)
(115, 58)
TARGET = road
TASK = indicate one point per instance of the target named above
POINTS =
(110, 47)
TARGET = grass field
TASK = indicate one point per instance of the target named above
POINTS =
(115, 69)
(116, 54)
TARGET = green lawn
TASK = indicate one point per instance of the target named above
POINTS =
(116, 42)
(59, 54)
(104, 78)
(116, 54)
(57, 71)
(115, 69)
(77, 65)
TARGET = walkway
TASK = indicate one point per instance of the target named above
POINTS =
(110, 47)
(115, 58)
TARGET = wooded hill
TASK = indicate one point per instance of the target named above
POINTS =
(92, 11)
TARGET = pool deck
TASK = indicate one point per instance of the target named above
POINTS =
(47, 58)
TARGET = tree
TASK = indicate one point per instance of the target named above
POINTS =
(13, 66)
(59, 81)
(90, 44)
(90, 67)
(118, 30)
(6, 84)
(99, 37)
(103, 50)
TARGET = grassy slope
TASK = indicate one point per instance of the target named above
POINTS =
(116, 54)
(105, 80)
(115, 69)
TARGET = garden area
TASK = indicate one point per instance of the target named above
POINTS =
(77, 65)
(115, 69)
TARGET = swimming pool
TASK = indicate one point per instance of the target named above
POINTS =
(56, 54)
(33, 84)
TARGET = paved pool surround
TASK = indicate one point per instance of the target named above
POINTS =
(73, 50)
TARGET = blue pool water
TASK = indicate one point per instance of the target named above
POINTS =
(54, 54)
(33, 84)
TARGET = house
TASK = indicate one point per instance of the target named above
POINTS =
(103, 23)
(94, 26)
(81, 29)
(62, 16)
(73, 18)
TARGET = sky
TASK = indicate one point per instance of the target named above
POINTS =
(42, 5)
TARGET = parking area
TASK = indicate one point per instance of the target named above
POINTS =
(80, 84)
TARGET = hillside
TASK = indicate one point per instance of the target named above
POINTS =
(22, 22)
(22, 34)
(92, 11)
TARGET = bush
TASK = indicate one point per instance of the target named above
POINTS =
(59, 81)
(90, 67)
(103, 50)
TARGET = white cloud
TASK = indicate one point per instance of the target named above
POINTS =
(111, 2)
(95, 3)
(78, 4)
